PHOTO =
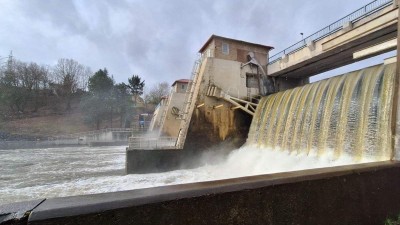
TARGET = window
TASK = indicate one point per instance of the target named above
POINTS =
(225, 48)
(252, 81)
(183, 87)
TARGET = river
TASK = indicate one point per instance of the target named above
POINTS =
(27, 174)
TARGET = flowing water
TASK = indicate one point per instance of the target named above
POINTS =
(27, 174)
(348, 114)
(339, 121)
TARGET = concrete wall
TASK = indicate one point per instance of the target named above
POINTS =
(229, 76)
(172, 123)
(180, 87)
(157, 116)
(102, 139)
(152, 161)
(285, 83)
(357, 195)
(108, 136)
(218, 124)
(238, 51)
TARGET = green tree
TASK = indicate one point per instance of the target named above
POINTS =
(98, 104)
(136, 85)
(101, 83)
(123, 103)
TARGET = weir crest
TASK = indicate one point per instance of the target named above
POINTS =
(348, 114)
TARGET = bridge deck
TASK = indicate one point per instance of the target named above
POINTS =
(321, 51)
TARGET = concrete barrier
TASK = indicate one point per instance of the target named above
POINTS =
(153, 161)
(358, 194)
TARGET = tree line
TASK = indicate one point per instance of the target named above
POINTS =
(106, 99)
(22, 83)
(28, 86)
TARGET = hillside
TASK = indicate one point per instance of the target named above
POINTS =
(49, 122)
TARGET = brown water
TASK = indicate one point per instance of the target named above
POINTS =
(348, 114)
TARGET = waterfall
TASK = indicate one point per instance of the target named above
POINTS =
(348, 114)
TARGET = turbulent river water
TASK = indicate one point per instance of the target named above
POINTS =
(337, 121)
(27, 174)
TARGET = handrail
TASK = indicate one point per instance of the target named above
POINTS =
(93, 132)
(152, 143)
(355, 16)
(190, 100)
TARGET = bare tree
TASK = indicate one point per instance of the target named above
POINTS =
(39, 80)
(84, 79)
(12, 92)
(21, 83)
(157, 92)
(69, 75)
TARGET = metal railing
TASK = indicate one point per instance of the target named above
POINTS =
(94, 132)
(355, 16)
(190, 99)
(152, 143)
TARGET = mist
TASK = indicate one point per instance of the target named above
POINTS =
(250, 160)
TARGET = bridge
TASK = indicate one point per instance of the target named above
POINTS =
(368, 31)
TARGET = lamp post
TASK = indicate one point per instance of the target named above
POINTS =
(302, 40)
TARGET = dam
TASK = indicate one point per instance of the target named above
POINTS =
(213, 112)
(350, 118)
(348, 114)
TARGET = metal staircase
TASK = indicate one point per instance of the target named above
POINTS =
(247, 106)
(190, 100)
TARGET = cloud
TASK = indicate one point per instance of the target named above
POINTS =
(158, 40)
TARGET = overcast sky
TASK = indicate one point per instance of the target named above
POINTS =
(157, 40)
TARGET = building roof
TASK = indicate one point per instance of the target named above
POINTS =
(181, 81)
(230, 39)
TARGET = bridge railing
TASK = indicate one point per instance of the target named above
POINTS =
(152, 143)
(355, 16)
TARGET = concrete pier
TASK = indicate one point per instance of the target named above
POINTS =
(152, 161)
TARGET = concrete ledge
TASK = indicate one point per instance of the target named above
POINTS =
(358, 194)
(107, 143)
(17, 213)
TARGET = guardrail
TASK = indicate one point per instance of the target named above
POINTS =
(88, 133)
(4, 145)
(152, 143)
(355, 16)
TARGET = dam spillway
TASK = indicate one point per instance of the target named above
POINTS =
(344, 115)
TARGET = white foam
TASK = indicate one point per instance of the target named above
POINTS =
(53, 176)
